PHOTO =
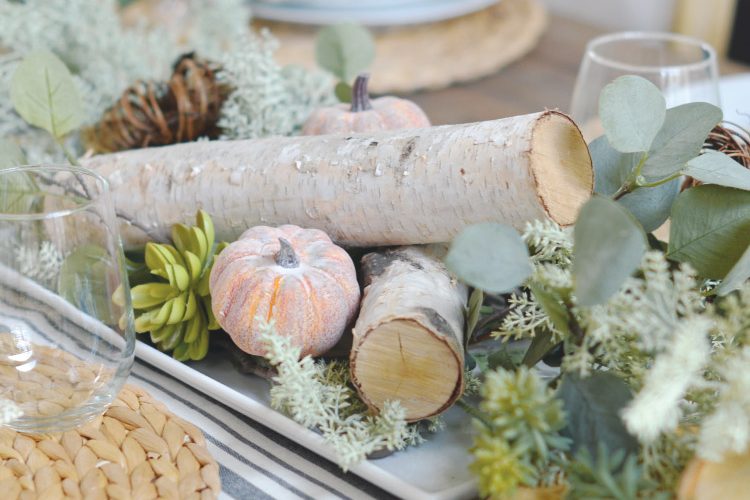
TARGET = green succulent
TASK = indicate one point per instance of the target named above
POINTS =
(610, 476)
(175, 308)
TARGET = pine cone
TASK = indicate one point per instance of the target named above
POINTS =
(155, 114)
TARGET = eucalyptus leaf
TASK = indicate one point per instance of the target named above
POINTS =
(10, 154)
(681, 138)
(650, 206)
(507, 356)
(345, 50)
(632, 111)
(539, 347)
(471, 361)
(489, 256)
(552, 305)
(473, 313)
(593, 405)
(503, 358)
(655, 243)
(343, 92)
(713, 167)
(44, 94)
(737, 276)
(84, 282)
(608, 244)
(17, 189)
(710, 229)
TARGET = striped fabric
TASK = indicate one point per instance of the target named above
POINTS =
(256, 462)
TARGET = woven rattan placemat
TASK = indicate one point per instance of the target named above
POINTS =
(430, 56)
(136, 450)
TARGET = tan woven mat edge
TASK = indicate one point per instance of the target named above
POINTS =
(136, 450)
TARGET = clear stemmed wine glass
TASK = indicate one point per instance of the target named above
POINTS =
(684, 68)
(66, 323)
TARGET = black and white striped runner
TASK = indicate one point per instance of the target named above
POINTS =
(256, 462)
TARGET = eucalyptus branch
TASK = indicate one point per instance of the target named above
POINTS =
(639, 168)
(624, 189)
(67, 152)
(473, 412)
(73, 161)
(573, 324)
(658, 183)
(631, 184)
(87, 195)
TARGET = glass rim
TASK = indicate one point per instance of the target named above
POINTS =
(708, 60)
(91, 199)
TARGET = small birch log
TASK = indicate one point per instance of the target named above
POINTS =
(387, 188)
(408, 339)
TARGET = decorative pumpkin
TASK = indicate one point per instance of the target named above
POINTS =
(364, 115)
(296, 277)
(556, 492)
(704, 480)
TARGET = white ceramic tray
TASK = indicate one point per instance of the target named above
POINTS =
(436, 470)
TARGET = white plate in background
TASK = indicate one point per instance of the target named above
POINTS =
(367, 12)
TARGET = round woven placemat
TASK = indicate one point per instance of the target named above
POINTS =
(435, 55)
(136, 450)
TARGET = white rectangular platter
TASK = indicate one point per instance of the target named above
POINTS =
(435, 470)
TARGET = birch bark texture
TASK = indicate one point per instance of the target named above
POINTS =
(408, 338)
(388, 188)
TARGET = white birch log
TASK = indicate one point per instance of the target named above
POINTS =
(387, 188)
(408, 339)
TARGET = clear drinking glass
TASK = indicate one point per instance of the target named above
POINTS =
(684, 68)
(66, 323)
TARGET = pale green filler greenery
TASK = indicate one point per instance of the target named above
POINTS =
(551, 251)
(268, 99)
(685, 359)
(105, 58)
(318, 397)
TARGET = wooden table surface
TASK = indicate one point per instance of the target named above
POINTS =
(544, 78)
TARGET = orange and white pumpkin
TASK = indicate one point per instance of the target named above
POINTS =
(293, 276)
(365, 115)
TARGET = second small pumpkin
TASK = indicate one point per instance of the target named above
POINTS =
(293, 276)
(365, 115)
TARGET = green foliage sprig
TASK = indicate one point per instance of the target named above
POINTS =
(175, 308)
(616, 476)
(345, 50)
(646, 149)
(321, 397)
(518, 428)
(625, 311)
(44, 94)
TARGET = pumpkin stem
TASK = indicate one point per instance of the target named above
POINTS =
(360, 97)
(286, 256)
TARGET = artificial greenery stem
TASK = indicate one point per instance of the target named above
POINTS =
(74, 162)
(632, 183)
(473, 412)
(658, 183)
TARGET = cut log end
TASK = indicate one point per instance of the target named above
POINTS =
(400, 360)
(561, 165)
